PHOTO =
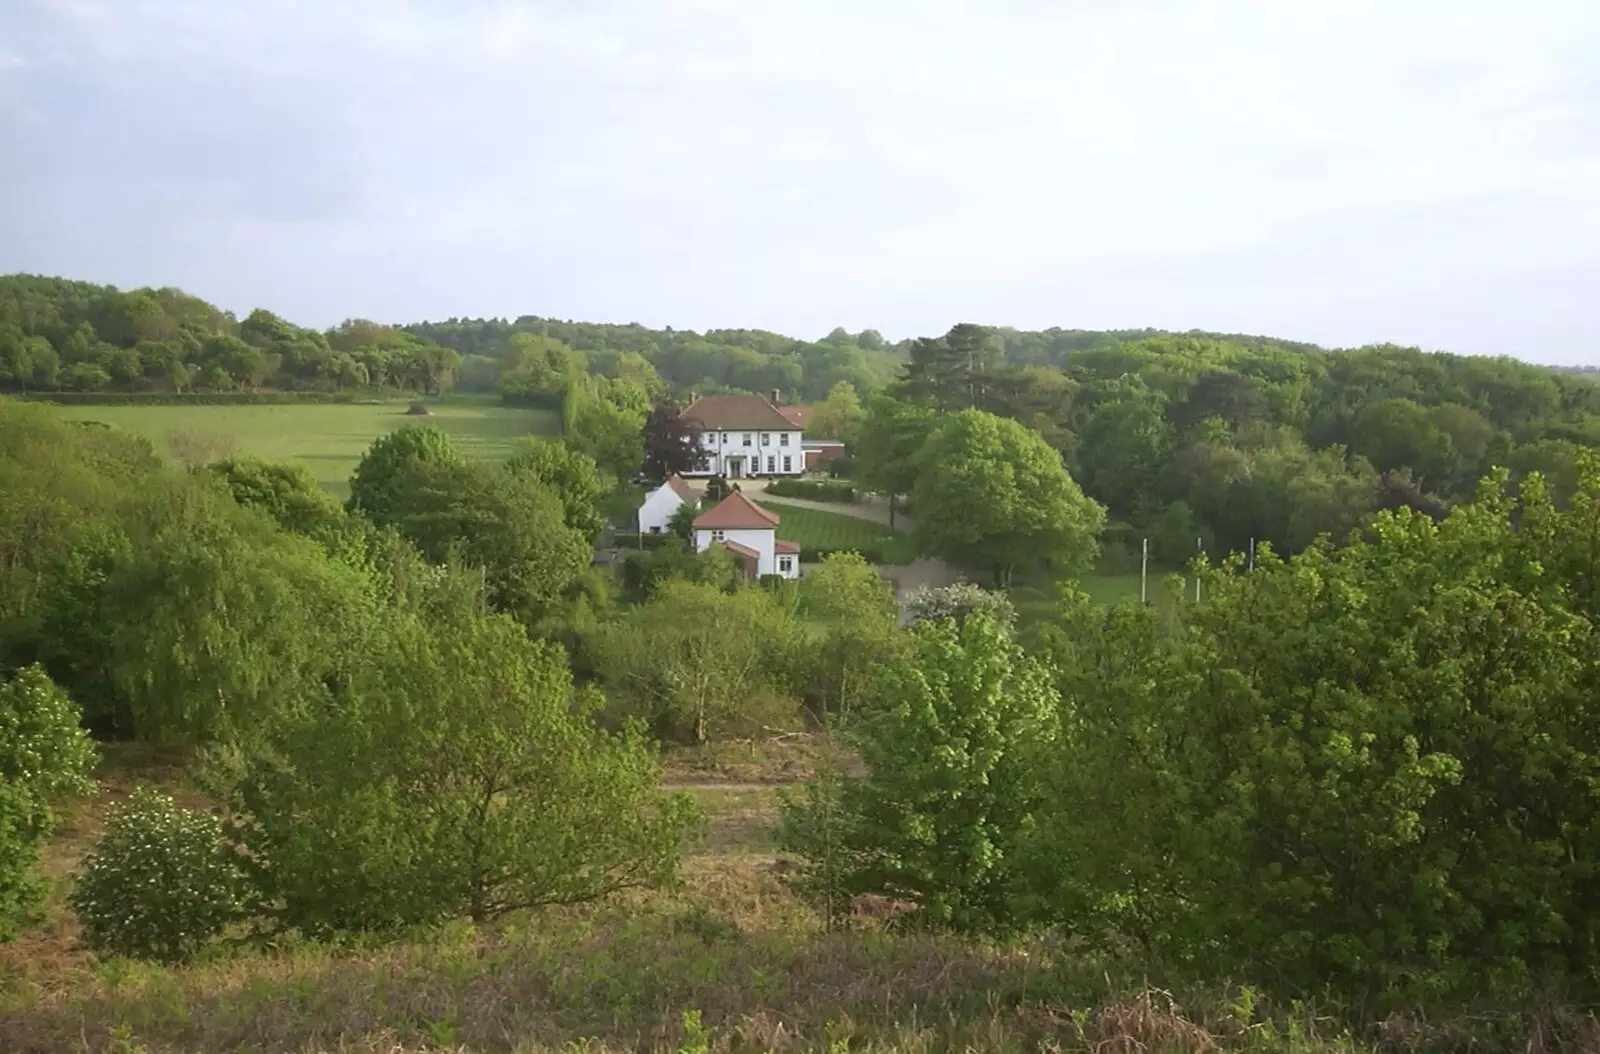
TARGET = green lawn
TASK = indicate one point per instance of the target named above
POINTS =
(330, 438)
(1036, 598)
(815, 529)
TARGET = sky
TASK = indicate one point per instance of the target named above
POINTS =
(1347, 172)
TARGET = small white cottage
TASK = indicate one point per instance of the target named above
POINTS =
(663, 503)
(750, 533)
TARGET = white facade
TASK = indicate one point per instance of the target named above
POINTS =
(762, 541)
(737, 453)
(660, 505)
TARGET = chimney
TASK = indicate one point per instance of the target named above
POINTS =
(777, 397)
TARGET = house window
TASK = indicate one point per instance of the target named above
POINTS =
(772, 463)
(747, 439)
(788, 463)
(785, 564)
(716, 536)
(703, 465)
(783, 438)
(655, 528)
(766, 438)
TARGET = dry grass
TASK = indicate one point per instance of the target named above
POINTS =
(730, 961)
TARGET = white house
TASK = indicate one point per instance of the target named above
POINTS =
(663, 503)
(746, 435)
(750, 533)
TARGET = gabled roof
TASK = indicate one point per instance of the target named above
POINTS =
(737, 512)
(749, 412)
(742, 550)
(681, 488)
(784, 547)
(798, 416)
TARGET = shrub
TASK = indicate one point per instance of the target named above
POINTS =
(1356, 773)
(958, 601)
(952, 742)
(813, 490)
(43, 753)
(161, 882)
(870, 553)
(457, 775)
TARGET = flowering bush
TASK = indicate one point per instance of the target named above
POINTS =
(43, 753)
(161, 882)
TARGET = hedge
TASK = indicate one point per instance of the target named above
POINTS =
(870, 553)
(207, 398)
(813, 490)
(633, 540)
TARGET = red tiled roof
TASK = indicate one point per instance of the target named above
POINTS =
(681, 488)
(796, 415)
(742, 550)
(748, 412)
(786, 547)
(737, 512)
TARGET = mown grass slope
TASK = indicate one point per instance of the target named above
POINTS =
(329, 438)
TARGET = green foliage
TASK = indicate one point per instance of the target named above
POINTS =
(951, 741)
(43, 754)
(380, 487)
(572, 475)
(813, 490)
(508, 522)
(161, 882)
(990, 492)
(1401, 724)
(457, 776)
(697, 663)
(284, 491)
(853, 618)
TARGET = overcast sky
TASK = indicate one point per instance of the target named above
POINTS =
(1422, 171)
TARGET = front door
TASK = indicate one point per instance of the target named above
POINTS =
(736, 466)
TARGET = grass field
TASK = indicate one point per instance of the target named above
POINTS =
(329, 438)
(816, 529)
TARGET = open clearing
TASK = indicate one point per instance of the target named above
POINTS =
(328, 439)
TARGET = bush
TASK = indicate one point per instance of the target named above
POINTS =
(43, 752)
(1357, 773)
(161, 882)
(635, 540)
(813, 490)
(953, 743)
(872, 554)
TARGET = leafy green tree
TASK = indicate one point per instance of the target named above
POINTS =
(887, 444)
(508, 524)
(458, 776)
(1122, 450)
(991, 493)
(43, 754)
(854, 618)
(380, 485)
(160, 883)
(285, 491)
(572, 475)
(951, 742)
(839, 416)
